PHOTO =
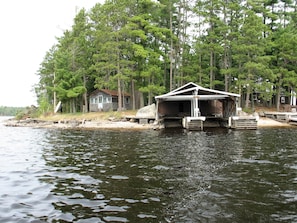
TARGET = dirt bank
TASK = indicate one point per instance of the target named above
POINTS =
(78, 124)
(267, 122)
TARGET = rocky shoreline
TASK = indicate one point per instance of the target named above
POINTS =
(111, 124)
(78, 124)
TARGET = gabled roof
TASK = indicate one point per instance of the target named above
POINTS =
(109, 92)
(191, 90)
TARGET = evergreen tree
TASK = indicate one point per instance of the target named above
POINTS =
(143, 47)
(109, 57)
(249, 54)
(147, 43)
(286, 58)
(82, 55)
(68, 80)
(44, 90)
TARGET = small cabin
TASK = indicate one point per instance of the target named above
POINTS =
(107, 100)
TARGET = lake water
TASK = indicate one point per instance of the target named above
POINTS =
(49, 175)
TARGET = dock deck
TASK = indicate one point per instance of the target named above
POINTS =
(140, 120)
(243, 122)
(282, 116)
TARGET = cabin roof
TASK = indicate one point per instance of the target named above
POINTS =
(109, 92)
(190, 90)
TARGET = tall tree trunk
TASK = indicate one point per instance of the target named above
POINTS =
(133, 95)
(141, 100)
(55, 93)
(171, 48)
(247, 99)
(149, 92)
(200, 68)
(120, 103)
(211, 73)
(278, 94)
(225, 51)
(226, 75)
(119, 95)
(85, 96)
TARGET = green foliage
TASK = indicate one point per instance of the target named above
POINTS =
(44, 105)
(28, 112)
(145, 47)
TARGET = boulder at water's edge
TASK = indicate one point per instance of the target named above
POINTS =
(147, 111)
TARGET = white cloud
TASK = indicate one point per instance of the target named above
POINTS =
(29, 29)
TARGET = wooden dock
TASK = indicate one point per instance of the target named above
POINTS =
(243, 122)
(193, 123)
(235, 122)
(201, 122)
(140, 120)
(282, 116)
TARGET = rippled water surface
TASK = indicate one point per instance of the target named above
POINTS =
(148, 176)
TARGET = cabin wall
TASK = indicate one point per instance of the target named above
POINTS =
(93, 107)
(126, 103)
(101, 102)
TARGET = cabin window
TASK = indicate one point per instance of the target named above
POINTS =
(94, 100)
(100, 99)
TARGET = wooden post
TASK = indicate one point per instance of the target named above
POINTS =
(157, 110)
(195, 102)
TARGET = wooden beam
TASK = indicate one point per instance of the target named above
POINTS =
(190, 97)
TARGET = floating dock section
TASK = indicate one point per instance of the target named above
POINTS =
(193, 123)
(234, 122)
(287, 117)
(243, 122)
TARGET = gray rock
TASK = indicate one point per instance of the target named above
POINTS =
(147, 111)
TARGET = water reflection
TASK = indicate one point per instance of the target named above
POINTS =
(234, 175)
(148, 176)
(105, 174)
(21, 164)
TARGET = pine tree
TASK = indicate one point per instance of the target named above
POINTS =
(286, 48)
(45, 88)
(250, 54)
(110, 61)
(82, 53)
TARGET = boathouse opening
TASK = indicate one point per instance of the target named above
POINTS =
(194, 107)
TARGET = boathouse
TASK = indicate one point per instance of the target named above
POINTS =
(194, 107)
(107, 100)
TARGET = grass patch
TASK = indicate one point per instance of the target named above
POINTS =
(88, 116)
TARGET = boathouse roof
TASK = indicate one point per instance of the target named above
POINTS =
(192, 90)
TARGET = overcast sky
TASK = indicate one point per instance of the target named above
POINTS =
(28, 31)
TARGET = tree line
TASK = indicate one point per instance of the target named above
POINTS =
(10, 111)
(148, 47)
